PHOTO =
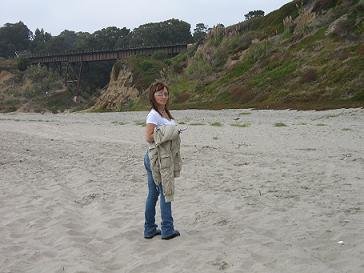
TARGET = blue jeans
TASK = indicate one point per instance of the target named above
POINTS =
(166, 211)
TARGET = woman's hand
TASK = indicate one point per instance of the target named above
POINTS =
(182, 129)
(149, 132)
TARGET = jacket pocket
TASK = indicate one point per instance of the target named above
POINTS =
(165, 161)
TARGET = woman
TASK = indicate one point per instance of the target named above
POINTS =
(159, 115)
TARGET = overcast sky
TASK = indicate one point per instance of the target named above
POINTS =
(54, 16)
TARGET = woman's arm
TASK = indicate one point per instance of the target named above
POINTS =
(149, 132)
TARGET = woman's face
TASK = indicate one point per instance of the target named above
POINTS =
(161, 97)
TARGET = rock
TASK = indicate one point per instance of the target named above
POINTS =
(119, 91)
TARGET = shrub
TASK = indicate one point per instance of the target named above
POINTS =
(22, 64)
(303, 21)
(42, 81)
(36, 73)
(196, 123)
(241, 125)
(260, 51)
(216, 35)
(321, 5)
(275, 74)
(198, 67)
(279, 124)
(272, 22)
(288, 24)
(310, 75)
(160, 55)
(220, 58)
(239, 43)
(145, 70)
(182, 97)
(345, 27)
(241, 94)
(179, 66)
(217, 124)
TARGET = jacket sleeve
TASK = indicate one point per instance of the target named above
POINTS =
(165, 133)
(154, 163)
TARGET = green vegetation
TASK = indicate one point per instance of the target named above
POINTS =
(145, 70)
(119, 123)
(44, 81)
(17, 40)
(196, 123)
(140, 123)
(18, 37)
(280, 124)
(275, 75)
(35, 89)
(300, 68)
(22, 64)
(216, 123)
(294, 57)
(241, 125)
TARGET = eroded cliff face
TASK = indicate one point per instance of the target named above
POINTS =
(119, 92)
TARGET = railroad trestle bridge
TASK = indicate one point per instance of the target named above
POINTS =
(74, 61)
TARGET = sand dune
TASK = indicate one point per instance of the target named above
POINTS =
(260, 191)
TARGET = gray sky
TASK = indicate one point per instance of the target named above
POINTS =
(55, 16)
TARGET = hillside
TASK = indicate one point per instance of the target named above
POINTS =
(34, 90)
(306, 55)
(129, 82)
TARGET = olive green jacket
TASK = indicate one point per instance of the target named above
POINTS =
(165, 158)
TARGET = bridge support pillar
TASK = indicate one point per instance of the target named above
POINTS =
(73, 78)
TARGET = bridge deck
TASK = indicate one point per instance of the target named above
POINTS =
(104, 55)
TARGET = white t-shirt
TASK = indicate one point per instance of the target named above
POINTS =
(155, 118)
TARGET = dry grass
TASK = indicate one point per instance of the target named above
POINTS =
(218, 124)
(310, 75)
(196, 123)
(280, 124)
(119, 123)
(303, 21)
(241, 125)
(140, 123)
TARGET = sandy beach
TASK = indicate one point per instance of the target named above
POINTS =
(260, 191)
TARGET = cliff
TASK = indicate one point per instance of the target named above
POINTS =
(119, 92)
(306, 55)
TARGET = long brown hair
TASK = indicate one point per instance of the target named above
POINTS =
(155, 87)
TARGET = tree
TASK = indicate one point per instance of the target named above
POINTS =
(22, 63)
(66, 40)
(199, 33)
(40, 40)
(14, 37)
(109, 38)
(69, 38)
(172, 31)
(84, 41)
(253, 14)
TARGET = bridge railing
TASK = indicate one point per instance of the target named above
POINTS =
(81, 52)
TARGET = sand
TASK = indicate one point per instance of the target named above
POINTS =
(258, 197)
